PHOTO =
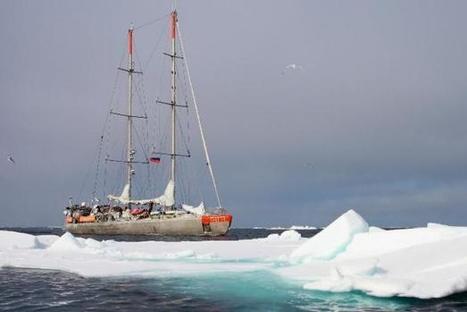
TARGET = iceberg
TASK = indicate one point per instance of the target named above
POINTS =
(428, 262)
(347, 255)
(333, 239)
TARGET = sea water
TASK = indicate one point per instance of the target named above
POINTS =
(46, 290)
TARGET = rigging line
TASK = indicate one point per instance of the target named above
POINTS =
(148, 180)
(180, 129)
(164, 138)
(117, 176)
(152, 22)
(142, 100)
(139, 86)
(180, 181)
(158, 109)
(192, 176)
(99, 153)
(202, 176)
(185, 93)
(154, 48)
(104, 183)
(144, 144)
(106, 125)
(140, 89)
(121, 175)
(138, 188)
(140, 144)
(81, 189)
(208, 161)
(187, 137)
(140, 92)
(148, 169)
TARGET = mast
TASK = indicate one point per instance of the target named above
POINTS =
(173, 31)
(130, 151)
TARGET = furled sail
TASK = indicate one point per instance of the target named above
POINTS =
(124, 198)
(199, 211)
(166, 199)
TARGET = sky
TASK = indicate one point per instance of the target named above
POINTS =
(373, 119)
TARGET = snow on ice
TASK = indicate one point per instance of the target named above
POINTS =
(426, 262)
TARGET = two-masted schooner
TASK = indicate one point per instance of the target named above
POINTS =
(161, 215)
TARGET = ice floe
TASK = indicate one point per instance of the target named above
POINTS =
(425, 262)
(289, 235)
(293, 227)
(333, 239)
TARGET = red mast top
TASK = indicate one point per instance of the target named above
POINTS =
(130, 40)
(173, 24)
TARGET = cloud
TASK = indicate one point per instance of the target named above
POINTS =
(380, 117)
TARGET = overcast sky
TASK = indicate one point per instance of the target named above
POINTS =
(374, 120)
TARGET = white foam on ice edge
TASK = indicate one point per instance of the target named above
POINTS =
(427, 262)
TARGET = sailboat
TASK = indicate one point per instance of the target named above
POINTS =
(163, 214)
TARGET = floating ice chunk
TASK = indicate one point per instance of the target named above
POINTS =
(181, 254)
(289, 235)
(94, 244)
(302, 227)
(425, 263)
(207, 256)
(375, 229)
(377, 243)
(448, 228)
(375, 286)
(336, 282)
(15, 240)
(293, 227)
(360, 267)
(333, 239)
(273, 236)
(67, 242)
(46, 240)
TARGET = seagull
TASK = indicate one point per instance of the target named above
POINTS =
(292, 67)
(10, 159)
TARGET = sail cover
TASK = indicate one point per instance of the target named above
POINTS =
(166, 199)
(199, 211)
(124, 197)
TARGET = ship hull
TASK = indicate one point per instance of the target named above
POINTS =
(188, 225)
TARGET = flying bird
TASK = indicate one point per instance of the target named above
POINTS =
(292, 67)
(10, 159)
